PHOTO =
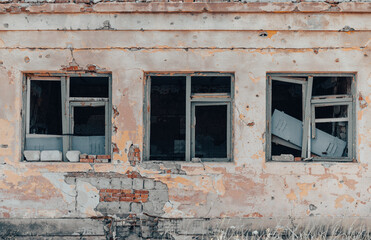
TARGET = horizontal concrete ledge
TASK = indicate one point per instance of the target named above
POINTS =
(51, 227)
(176, 7)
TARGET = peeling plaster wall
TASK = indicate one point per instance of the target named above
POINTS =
(249, 188)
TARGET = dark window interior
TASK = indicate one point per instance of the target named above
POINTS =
(337, 111)
(89, 87)
(167, 138)
(217, 84)
(211, 131)
(89, 121)
(331, 86)
(287, 97)
(45, 107)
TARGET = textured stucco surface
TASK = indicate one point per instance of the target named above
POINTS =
(249, 188)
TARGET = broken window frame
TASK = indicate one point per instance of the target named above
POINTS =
(309, 104)
(192, 100)
(67, 106)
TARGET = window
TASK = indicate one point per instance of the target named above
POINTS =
(67, 117)
(310, 117)
(188, 117)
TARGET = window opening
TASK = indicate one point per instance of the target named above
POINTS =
(168, 105)
(66, 116)
(189, 117)
(214, 84)
(312, 118)
(211, 131)
(89, 87)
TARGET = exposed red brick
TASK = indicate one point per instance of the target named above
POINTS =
(133, 174)
(126, 195)
(72, 68)
(134, 155)
(141, 191)
(103, 156)
(86, 160)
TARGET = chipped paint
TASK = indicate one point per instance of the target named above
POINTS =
(98, 37)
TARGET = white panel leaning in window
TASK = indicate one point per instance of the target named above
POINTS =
(310, 117)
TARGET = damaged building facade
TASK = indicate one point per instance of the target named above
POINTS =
(165, 120)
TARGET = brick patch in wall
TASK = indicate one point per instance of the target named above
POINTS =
(134, 155)
(94, 158)
(123, 195)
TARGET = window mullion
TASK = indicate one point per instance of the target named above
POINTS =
(147, 119)
(307, 120)
(28, 105)
(65, 115)
(350, 131)
(188, 119)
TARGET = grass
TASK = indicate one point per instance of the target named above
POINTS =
(309, 232)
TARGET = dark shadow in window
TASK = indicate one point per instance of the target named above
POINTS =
(45, 107)
(89, 87)
(167, 129)
(211, 131)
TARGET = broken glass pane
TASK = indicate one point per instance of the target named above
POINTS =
(89, 87)
(167, 130)
(211, 131)
(216, 84)
(45, 107)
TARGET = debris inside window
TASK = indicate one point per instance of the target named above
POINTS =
(62, 124)
(329, 117)
(288, 98)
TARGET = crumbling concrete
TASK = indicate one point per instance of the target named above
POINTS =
(176, 199)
